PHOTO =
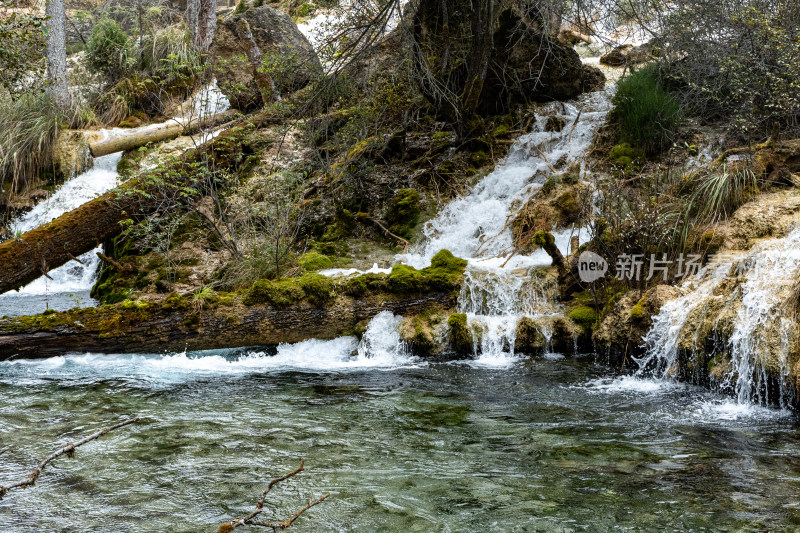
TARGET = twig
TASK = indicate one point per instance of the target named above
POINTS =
(386, 231)
(248, 520)
(69, 450)
(115, 264)
(569, 137)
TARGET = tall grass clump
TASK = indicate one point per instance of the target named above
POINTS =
(647, 115)
(29, 127)
(722, 192)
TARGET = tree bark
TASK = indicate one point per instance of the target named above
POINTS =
(193, 19)
(57, 52)
(207, 23)
(136, 137)
(157, 327)
(49, 246)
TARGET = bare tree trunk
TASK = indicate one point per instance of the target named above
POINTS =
(207, 23)
(193, 18)
(57, 52)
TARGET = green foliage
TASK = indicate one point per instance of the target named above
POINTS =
(318, 288)
(648, 116)
(22, 43)
(29, 127)
(721, 193)
(108, 50)
(626, 159)
(403, 213)
(313, 261)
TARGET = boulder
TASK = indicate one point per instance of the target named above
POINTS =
(528, 65)
(292, 61)
(626, 54)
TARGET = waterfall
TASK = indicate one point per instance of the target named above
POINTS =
(76, 278)
(747, 299)
(497, 291)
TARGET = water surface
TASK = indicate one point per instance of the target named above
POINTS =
(551, 444)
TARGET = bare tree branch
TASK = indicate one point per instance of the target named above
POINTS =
(248, 520)
(68, 450)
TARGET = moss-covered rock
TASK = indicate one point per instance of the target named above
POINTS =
(318, 288)
(281, 293)
(585, 317)
(313, 261)
(459, 333)
(403, 212)
(404, 279)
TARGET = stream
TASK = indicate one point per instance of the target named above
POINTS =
(553, 444)
(495, 442)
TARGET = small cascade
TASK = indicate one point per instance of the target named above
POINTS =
(498, 291)
(746, 301)
(70, 283)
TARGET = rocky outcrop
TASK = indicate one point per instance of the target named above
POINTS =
(627, 55)
(528, 65)
(629, 317)
(242, 40)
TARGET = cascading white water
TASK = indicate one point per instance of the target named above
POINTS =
(77, 277)
(73, 276)
(761, 336)
(498, 291)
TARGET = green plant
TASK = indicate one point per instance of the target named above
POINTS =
(108, 50)
(721, 193)
(403, 212)
(29, 127)
(647, 115)
(312, 261)
(626, 159)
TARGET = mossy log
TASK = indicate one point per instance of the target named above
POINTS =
(135, 137)
(153, 328)
(269, 312)
(40, 250)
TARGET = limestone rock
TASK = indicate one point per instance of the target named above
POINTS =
(278, 38)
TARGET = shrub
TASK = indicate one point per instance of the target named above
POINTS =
(107, 49)
(647, 115)
(29, 128)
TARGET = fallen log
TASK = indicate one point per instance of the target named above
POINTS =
(40, 250)
(269, 312)
(132, 138)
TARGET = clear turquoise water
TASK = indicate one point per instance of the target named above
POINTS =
(542, 445)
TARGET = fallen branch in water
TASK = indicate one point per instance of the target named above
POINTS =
(248, 520)
(68, 450)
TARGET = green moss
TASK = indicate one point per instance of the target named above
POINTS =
(569, 206)
(447, 167)
(48, 312)
(585, 317)
(174, 302)
(626, 159)
(445, 271)
(403, 213)
(318, 288)
(312, 261)
(441, 136)
(459, 334)
(501, 131)
(355, 287)
(404, 279)
(637, 311)
(281, 293)
(479, 158)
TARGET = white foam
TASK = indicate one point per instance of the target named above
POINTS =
(629, 385)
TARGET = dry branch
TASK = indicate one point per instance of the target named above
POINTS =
(68, 450)
(248, 520)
